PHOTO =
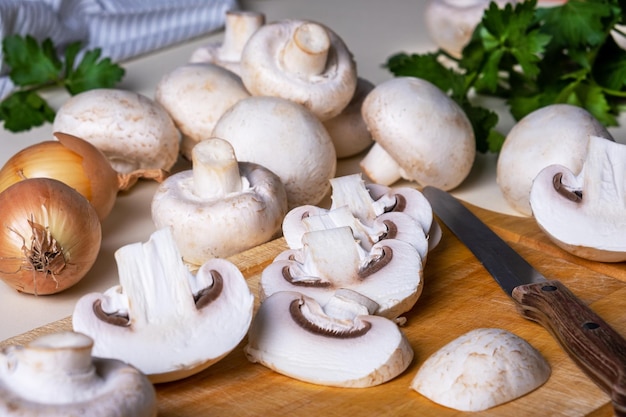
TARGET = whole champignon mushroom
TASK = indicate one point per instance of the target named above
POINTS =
(195, 96)
(450, 23)
(285, 138)
(370, 220)
(238, 28)
(390, 273)
(421, 135)
(133, 131)
(55, 375)
(293, 335)
(348, 129)
(555, 134)
(221, 206)
(481, 369)
(162, 319)
(584, 213)
(302, 61)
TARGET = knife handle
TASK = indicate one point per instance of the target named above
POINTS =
(596, 347)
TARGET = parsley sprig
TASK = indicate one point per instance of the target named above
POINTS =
(531, 57)
(36, 66)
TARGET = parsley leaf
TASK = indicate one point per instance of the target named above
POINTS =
(532, 57)
(35, 66)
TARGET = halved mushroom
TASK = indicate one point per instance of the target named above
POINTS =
(162, 319)
(301, 61)
(585, 213)
(481, 369)
(55, 375)
(389, 274)
(293, 334)
(133, 131)
(221, 206)
(238, 28)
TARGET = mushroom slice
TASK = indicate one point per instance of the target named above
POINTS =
(238, 28)
(389, 274)
(585, 213)
(133, 131)
(163, 319)
(301, 61)
(55, 375)
(292, 334)
(481, 369)
(221, 206)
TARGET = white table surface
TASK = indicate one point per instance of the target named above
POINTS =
(372, 29)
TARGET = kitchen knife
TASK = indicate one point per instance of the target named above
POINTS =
(598, 349)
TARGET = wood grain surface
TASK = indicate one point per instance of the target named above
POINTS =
(458, 296)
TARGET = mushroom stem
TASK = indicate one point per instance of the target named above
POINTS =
(238, 28)
(380, 167)
(306, 52)
(215, 169)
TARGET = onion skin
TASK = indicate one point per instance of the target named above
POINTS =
(46, 216)
(72, 161)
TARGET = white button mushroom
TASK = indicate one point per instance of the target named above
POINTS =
(389, 274)
(450, 23)
(555, 134)
(238, 28)
(585, 214)
(301, 61)
(162, 319)
(292, 334)
(133, 131)
(221, 206)
(421, 135)
(285, 138)
(195, 96)
(55, 375)
(481, 369)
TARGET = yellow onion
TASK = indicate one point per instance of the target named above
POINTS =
(50, 236)
(77, 163)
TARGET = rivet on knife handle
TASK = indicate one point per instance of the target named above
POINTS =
(594, 345)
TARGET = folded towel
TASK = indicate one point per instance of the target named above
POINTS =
(121, 28)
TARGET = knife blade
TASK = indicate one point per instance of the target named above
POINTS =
(597, 348)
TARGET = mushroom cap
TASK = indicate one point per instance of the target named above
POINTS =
(481, 369)
(133, 131)
(222, 226)
(555, 134)
(285, 138)
(584, 214)
(264, 70)
(425, 132)
(348, 129)
(282, 340)
(55, 375)
(195, 96)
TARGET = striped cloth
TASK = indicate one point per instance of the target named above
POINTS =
(121, 28)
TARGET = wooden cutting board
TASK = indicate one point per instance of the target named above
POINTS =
(458, 296)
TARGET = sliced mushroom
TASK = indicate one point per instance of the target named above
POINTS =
(55, 375)
(421, 135)
(389, 274)
(555, 134)
(238, 28)
(292, 334)
(221, 206)
(285, 138)
(162, 319)
(196, 96)
(584, 213)
(301, 61)
(481, 369)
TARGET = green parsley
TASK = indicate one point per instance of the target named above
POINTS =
(35, 66)
(532, 57)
